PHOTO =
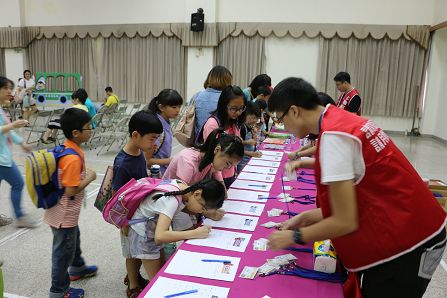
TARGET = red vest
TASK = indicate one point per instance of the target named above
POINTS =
(345, 98)
(396, 210)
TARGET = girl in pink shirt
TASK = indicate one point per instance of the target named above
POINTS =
(221, 151)
(230, 116)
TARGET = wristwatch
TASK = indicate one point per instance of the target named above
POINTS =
(297, 155)
(297, 237)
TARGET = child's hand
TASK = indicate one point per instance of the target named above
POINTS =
(202, 232)
(292, 166)
(19, 123)
(90, 175)
(292, 155)
(215, 214)
(26, 148)
(257, 154)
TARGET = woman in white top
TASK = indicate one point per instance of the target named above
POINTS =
(25, 90)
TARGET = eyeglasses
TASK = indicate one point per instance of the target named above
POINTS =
(280, 119)
(236, 109)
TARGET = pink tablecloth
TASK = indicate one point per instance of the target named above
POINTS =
(275, 286)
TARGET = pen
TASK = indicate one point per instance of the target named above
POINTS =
(216, 261)
(181, 293)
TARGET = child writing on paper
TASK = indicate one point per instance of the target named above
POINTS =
(167, 106)
(220, 151)
(248, 134)
(230, 116)
(147, 238)
(380, 215)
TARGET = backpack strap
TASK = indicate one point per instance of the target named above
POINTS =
(199, 136)
(161, 143)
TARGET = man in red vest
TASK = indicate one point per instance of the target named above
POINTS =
(381, 217)
(349, 98)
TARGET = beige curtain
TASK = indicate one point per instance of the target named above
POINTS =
(138, 68)
(243, 56)
(73, 55)
(2, 62)
(386, 72)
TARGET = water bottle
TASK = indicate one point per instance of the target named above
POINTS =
(155, 171)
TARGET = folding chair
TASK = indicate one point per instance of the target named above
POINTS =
(39, 126)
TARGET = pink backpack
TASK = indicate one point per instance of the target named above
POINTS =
(121, 207)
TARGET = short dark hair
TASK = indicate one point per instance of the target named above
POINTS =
(145, 122)
(293, 91)
(80, 94)
(108, 89)
(262, 104)
(4, 82)
(166, 97)
(253, 109)
(73, 119)
(261, 81)
(342, 76)
(25, 71)
(325, 99)
(264, 90)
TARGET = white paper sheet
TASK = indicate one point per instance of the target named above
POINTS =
(191, 264)
(252, 185)
(224, 240)
(272, 153)
(254, 209)
(260, 170)
(264, 163)
(256, 177)
(234, 221)
(247, 195)
(167, 286)
(268, 157)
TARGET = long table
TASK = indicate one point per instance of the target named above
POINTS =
(274, 285)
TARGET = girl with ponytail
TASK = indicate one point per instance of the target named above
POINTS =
(166, 105)
(146, 238)
(220, 151)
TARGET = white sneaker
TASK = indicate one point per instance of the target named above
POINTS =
(26, 222)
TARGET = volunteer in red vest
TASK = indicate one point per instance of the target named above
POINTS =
(381, 217)
(349, 98)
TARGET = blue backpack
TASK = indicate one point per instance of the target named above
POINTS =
(42, 180)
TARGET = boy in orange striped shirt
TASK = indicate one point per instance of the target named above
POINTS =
(67, 262)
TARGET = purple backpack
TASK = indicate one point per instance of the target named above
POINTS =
(119, 210)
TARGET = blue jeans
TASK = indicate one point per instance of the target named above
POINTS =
(14, 178)
(66, 253)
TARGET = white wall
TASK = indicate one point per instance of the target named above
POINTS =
(292, 57)
(10, 13)
(200, 62)
(440, 14)
(88, 12)
(14, 63)
(436, 100)
(83, 12)
(395, 12)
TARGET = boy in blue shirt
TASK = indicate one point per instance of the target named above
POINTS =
(144, 129)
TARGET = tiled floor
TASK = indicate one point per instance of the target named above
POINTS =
(27, 253)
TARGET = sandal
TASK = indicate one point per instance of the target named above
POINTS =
(133, 293)
(141, 280)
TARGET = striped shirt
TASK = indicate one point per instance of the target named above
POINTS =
(71, 170)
